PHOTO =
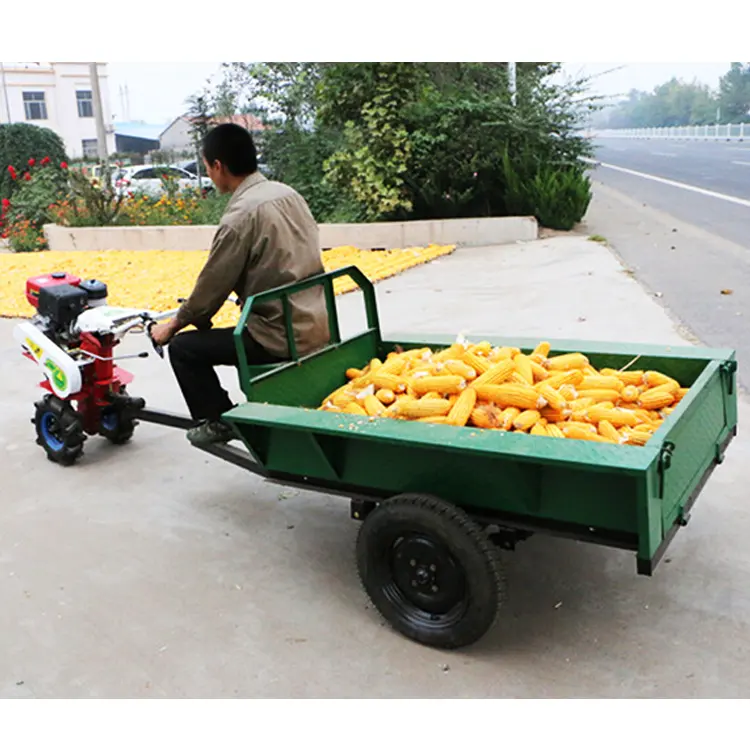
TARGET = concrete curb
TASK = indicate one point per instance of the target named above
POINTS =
(383, 235)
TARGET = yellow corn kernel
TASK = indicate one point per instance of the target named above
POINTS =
(353, 372)
(395, 383)
(629, 394)
(575, 361)
(373, 407)
(461, 410)
(433, 407)
(569, 377)
(539, 372)
(486, 416)
(554, 430)
(555, 415)
(616, 417)
(457, 367)
(600, 394)
(523, 368)
(599, 382)
(385, 396)
(552, 397)
(526, 420)
(478, 364)
(567, 391)
(542, 349)
(681, 393)
(608, 430)
(355, 408)
(497, 374)
(539, 429)
(507, 416)
(578, 432)
(653, 400)
(511, 394)
(440, 383)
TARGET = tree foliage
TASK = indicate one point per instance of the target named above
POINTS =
(734, 93)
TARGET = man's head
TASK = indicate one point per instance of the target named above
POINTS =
(229, 155)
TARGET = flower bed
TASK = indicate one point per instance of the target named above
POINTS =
(155, 279)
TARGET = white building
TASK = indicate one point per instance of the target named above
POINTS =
(178, 137)
(58, 96)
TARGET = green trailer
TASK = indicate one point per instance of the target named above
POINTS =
(437, 503)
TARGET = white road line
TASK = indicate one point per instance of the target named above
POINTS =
(674, 183)
(662, 153)
(742, 163)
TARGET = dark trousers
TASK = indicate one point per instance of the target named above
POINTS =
(194, 354)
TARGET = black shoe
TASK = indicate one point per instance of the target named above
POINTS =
(210, 433)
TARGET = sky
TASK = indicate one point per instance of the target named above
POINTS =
(157, 91)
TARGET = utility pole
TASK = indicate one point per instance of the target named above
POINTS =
(5, 92)
(512, 82)
(101, 133)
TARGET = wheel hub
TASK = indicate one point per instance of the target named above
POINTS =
(426, 574)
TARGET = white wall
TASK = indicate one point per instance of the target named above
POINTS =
(177, 137)
(59, 82)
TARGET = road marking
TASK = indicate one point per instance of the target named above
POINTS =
(662, 153)
(674, 183)
(742, 163)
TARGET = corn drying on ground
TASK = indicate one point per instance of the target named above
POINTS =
(155, 279)
(502, 388)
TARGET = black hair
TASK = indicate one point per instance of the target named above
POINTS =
(233, 146)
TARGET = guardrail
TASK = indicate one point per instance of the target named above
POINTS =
(737, 132)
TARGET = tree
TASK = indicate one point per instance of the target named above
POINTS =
(734, 96)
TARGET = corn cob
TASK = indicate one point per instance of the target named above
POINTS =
(554, 430)
(552, 397)
(608, 430)
(503, 352)
(616, 417)
(554, 415)
(538, 371)
(433, 407)
(630, 394)
(681, 393)
(652, 378)
(385, 396)
(486, 416)
(455, 351)
(393, 366)
(511, 394)
(457, 367)
(353, 372)
(539, 429)
(569, 377)
(355, 408)
(637, 437)
(579, 433)
(581, 403)
(590, 371)
(567, 362)
(507, 416)
(600, 394)
(462, 408)
(601, 382)
(526, 420)
(567, 391)
(497, 374)
(672, 388)
(373, 407)
(579, 425)
(630, 377)
(387, 380)
(478, 364)
(516, 377)
(433, 420)
(343, 399)
(653, 400)
(542, 349)
(431, 394)
(439, 383)
(523, 368)
(483, 348)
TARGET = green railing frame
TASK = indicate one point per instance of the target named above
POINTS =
(251, 373)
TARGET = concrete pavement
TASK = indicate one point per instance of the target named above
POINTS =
(151, 570)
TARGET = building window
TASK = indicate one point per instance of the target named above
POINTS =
(85, 104)
(90, 149)
(34, 105)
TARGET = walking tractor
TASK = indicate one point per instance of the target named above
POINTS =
(448, 452)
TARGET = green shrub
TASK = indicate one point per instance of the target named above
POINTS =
(21, 142)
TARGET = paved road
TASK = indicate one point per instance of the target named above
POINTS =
(684, 245)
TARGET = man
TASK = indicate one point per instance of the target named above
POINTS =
(266, 238)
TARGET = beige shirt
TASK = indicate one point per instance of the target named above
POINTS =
(266, 238)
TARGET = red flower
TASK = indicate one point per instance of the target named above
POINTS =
(63, 165)
(45, 160)
(5, 204)
(12, 172)
(27, 176)
(32, 162)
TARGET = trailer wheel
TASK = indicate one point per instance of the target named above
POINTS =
(58, 430)
(430, 571)
(116, 426)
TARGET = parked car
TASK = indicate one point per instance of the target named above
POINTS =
(192, 167)
(148, 179)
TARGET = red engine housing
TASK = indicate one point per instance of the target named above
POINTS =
(35, 283)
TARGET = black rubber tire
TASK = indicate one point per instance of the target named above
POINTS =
(469, 560)
(116, 427)
(59, 430)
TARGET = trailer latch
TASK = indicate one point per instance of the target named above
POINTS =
(728, 369)
(665, 461)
